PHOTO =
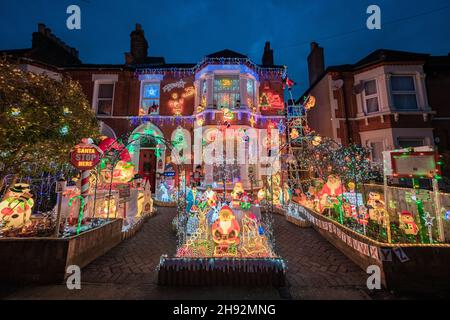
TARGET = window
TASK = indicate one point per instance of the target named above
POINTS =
(105, 98)
(251, 89)
(226, 91)
(403, 93)
(411, 142)
(371, 96)
(150, 98)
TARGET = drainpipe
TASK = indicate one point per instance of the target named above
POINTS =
(347, 121)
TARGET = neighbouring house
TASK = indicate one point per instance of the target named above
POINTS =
(388, 100)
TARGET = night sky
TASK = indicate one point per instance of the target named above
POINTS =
(185, 31)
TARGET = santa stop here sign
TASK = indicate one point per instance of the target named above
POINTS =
(85, 156)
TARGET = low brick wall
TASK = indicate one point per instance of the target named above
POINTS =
(45, 260)
(409, 268)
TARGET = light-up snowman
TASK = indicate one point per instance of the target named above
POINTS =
(16, 208)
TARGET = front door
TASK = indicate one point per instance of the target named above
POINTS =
(147, 166)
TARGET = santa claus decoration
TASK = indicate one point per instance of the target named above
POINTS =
(330, 191)
(225, 232)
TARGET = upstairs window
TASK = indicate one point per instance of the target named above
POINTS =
(150, 98)
(371, 96)
(403, 93)
(105, 99)
(226, 92)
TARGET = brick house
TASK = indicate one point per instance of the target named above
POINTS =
(388, 100)
(147, 95)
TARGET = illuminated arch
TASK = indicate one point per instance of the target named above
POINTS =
(106, 130)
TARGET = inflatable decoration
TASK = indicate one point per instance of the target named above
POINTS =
(16, 208)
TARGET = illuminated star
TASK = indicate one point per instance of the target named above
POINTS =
(429, 220)
(252, 121)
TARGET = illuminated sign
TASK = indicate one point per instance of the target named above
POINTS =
(179, 84)
(85, 156)
(415, 164)
(176, 104)
(270, 100)
(188, 92)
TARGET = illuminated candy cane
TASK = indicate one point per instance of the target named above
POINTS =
(80, 215)
(85, 183)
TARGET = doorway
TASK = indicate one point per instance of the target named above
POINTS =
(147, 166)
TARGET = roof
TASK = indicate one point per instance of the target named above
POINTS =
(226, 53)
(385, 55)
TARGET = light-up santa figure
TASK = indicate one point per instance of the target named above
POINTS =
(225, 232)
(330, 191)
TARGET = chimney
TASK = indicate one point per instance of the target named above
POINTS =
(138, 45)
(48, 48)
(267, 59)
(316, 62)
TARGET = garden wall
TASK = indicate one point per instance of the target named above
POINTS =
(409, 268)
(45, 260)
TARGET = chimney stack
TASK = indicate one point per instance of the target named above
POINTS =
(316, 62)
(138, 46)
(267, 59)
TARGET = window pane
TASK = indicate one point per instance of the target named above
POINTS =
(250, 88)
(104, 107)
(404, 101)
(410, 143)
(370, 87)
(226, 84)
(149, 106)
(106, 91)
(402, 83)
(372, 105)
(151, 91)
(377, 151)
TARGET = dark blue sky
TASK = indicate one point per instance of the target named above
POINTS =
(185, 31)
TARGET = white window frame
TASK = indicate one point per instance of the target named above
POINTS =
(141, 95)
(392, 92)
(371, 96)
(99, 79)
(423, 139)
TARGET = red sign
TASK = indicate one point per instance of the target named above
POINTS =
(85, 156)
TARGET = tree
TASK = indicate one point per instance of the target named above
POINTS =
(41, 119)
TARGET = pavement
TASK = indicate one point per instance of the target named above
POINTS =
(316, 270)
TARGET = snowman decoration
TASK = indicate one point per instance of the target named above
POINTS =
(16, 208)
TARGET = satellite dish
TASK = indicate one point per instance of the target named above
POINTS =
(357, 89)
(337, 84)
